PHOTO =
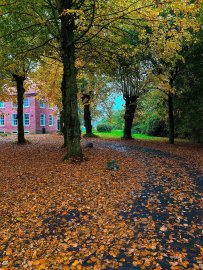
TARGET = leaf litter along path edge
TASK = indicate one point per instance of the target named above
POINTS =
(91, 218)
(168, 209)
(57, 215)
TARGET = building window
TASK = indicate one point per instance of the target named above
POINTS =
(51, 120)
(26, 102)
(2, 105)
(14, 119)
(42, 120)
(2, 120)
(26, 119)
(41, 104)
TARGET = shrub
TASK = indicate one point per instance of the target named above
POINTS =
(156, 127)
(3, 135)
(136, 130)
(152, 126)
(104, 128)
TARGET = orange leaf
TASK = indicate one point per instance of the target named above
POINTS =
(36, 262)
(8, 251)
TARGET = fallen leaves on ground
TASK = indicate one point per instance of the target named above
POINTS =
(57, 215)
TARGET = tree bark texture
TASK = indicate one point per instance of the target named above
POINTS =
(69, 84)
(63, 129)
(87, 114)
(171, 118)
(20, 96)
(61, 122)
(130, 107)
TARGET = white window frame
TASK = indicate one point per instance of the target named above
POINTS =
(51, 120)
(44, 120)
(41, 104)
(28, 102)
(12, 120)
(2, 104)
(24, 120)
(2, 120)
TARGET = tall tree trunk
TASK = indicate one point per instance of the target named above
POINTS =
(63, 129)
(171, 118)
(87, 114)
(20, 96)
(69, 83)
(61, 122)
(130, 107)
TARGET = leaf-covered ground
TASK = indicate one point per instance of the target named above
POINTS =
(56, 215)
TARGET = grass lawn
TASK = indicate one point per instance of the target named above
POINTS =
(117, 134)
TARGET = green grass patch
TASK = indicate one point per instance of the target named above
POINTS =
(117, 134)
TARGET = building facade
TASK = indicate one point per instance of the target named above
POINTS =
(39, 116)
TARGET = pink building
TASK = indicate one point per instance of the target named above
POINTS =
(39, 116)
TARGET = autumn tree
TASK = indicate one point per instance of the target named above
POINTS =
(94, 90)
(73, 32)
(189, 98)
(161, 31)
(133, 84)
(15, 70)
(166, 39)
(17, 55)
(86, 91)
(129, 77)
(119, 55)
(61, 28)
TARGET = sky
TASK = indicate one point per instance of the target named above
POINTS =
(119, 103)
